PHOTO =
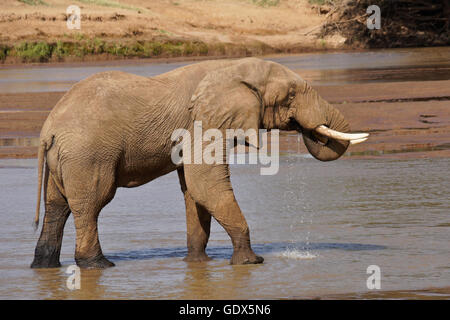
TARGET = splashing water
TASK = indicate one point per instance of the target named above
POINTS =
(297, 254)
(300, 208)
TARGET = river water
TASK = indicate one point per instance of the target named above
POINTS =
(319, 226)
(410, 64)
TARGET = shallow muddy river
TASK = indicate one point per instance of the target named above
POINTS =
(318, 226)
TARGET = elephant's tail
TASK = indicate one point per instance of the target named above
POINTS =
(41, 159)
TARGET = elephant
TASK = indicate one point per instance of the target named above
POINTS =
(113, 129)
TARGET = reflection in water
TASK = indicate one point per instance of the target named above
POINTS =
(52, 283)
(347, 214)
(202, 282)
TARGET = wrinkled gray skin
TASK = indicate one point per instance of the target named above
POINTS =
(114, 130)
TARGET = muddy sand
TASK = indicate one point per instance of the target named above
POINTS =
(405, 119)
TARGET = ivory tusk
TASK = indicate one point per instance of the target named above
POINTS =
(356, 141)
(323, 130)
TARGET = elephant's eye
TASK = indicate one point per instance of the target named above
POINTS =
(291, 93)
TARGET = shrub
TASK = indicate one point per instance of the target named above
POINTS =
(34, 52)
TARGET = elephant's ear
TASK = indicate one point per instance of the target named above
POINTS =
(231, 98)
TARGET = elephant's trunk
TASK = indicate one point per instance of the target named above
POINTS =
(325, 148)
(324, 128)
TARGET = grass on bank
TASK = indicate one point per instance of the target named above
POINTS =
(266, 3)
(322, 2)
(111, 4)
(34, 2)
(101, 3)
(43, 51)
(64, 50)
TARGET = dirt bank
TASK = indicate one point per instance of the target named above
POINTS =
(36, 30)
(405, 119)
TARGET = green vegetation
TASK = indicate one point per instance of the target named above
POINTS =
(147, 49)
(33, 52)
(323, 43)
(165, 32)
(321, 2)
(266, 3)
(111, 4)
(33, 2)
(3, 52)
(61, 49)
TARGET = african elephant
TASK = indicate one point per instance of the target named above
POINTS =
(114, 130)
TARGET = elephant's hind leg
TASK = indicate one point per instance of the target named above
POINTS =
(88, 253)
(86, 200)
(57, 211)
(198, 222)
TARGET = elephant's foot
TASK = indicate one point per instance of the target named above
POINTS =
(98, 262)
(46, 256)
(245, 257)
(196, 257)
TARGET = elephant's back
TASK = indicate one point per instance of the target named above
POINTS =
(100, 103)
(95, 98)
(99, 112)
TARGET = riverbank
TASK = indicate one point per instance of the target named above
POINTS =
(37, 31)
(44, 31)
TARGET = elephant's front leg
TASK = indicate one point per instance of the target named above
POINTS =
(210, 186)
(230, 217)
(198, 222)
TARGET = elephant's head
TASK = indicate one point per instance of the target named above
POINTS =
(253, 93)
